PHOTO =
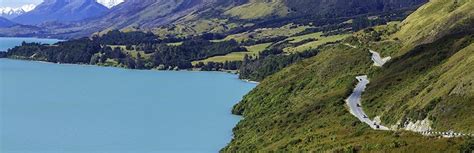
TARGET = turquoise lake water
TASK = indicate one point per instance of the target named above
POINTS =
(10, 42)
(53, 108)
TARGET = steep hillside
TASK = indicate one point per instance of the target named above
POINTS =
(437, 19)
(431, 82)
(258, 9)
(430, 78)
(302, 108)
(149, 13)
(62, 11)
(134, 15)
(5, 23)
(191, 17)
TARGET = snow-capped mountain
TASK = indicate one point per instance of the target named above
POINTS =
(10, 13)
(110, 3)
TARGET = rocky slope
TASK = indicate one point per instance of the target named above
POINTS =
(5, 23)
(189, 17)
(62, 11)
(254, 9)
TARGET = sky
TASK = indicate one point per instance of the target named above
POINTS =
(18, 3)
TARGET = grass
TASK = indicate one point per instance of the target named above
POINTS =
(133, 53)
(175, 44)
(440, 16)
(236, 56)
(257, 9)
(320, 40)
(302, 109)
(421, 84)
(297, 39)
(286, 30)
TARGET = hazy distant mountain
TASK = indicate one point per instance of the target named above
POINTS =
(193, 16)
(110, 3)
(149, 12)
(62, 11)
(10, 13)
(146, 14)
(5, 23)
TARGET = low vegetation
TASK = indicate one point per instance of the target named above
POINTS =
(302, 108)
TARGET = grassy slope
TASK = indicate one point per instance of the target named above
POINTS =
(237, 56)
(313, 44)
(302, 108)
(286, 30)
(258, 9)
(433, 80)
(436, 19)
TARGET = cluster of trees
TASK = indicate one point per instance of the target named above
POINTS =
(74, 51)
(116, 37)
(217, 66)
(3, 54)
(363, 22)
(192, 50)
(269, 62)
(160, 54)
(122, 59)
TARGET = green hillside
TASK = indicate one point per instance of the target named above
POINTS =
(432, 81)
(255, 9)
(302, 107)
(437, 19)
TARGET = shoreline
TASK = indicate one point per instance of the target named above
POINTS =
(233, 72)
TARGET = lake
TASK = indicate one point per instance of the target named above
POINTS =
(10, 42)
(53, 108)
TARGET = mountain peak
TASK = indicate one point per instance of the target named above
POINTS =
(110, 3)
(10, 12)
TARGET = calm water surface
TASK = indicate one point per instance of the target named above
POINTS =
(10, 42)
(52, 108)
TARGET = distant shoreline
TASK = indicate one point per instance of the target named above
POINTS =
(118, 67)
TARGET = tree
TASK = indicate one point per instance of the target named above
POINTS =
(139, 64)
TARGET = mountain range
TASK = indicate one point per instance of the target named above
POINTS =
(191, 16)
(10, 13)
(62, 11)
